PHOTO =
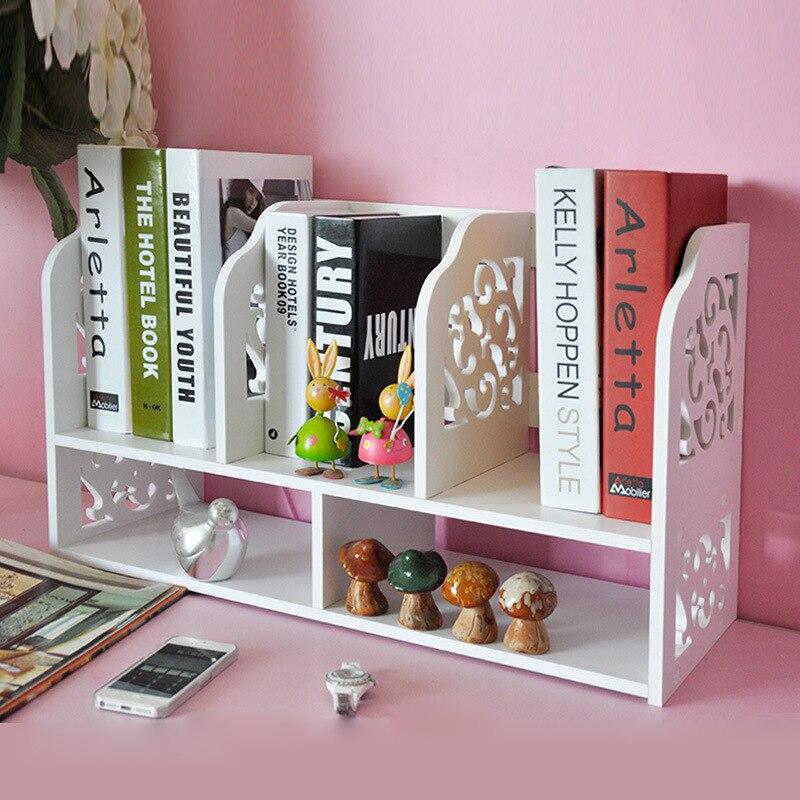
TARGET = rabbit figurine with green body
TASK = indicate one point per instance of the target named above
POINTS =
(320, 439)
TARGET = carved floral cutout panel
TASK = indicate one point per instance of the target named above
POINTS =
(117, 489)
(701, 590)
(255, 352)
(708, 404)
(483, 374)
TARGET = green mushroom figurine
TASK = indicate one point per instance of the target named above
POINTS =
(417, 573)
(320, 439)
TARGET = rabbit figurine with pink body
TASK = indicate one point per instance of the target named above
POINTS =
(384, 442)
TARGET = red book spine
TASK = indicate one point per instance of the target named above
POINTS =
(649, 217)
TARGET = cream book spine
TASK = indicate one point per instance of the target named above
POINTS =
(568, 219)
(105, 312)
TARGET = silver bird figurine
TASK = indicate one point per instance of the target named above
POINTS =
(209, 540)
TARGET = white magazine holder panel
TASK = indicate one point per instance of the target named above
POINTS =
(471, 353)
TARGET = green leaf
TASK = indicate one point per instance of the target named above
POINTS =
(62, 215)
(43, 146)
(12, 57)
(59, 98)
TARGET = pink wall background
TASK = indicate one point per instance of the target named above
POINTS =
(457, 103)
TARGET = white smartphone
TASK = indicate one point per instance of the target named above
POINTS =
(159, 683)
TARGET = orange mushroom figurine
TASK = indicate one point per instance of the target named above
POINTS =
(471, 586)
(366, 561)
(529, 598)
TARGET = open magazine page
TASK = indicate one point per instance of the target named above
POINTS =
(53, 611)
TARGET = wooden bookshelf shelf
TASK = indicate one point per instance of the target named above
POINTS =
(475, 467)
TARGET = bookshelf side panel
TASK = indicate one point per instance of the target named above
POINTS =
(697, 455)
(62, 320)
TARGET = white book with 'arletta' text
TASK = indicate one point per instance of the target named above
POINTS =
(105, 312)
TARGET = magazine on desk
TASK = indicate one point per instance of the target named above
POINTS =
(55, 615)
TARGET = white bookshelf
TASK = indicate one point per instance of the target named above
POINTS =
(475, 468)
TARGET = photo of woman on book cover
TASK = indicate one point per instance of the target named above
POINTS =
(241, 205)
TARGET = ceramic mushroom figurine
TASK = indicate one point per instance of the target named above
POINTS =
(529, 598)
(366, 561)
(416, 574)
(471, 585)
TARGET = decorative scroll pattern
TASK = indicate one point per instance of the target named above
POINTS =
(707, 401)
(701, 590)
(484, 373)
(118, 490)
(255, 346)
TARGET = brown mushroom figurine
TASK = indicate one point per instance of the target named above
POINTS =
(470, 586)
(529, 598)
(366, 561)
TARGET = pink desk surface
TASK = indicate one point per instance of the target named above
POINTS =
(481, 714)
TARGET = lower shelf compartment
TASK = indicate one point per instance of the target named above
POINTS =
(598, 632)
(276, 572)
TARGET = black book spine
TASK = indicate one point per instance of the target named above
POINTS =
(335, 308)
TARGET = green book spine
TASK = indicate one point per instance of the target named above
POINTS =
(147, 269)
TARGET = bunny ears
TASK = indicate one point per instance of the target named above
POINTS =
(404, 373)
(328, 364)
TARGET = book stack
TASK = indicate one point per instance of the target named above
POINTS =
(608, 248)
(156, 226)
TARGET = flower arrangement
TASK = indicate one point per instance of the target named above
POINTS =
(71, 71)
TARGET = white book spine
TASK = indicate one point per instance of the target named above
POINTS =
(568, 216)
(102, 233)
(191, 342)
(288, 326)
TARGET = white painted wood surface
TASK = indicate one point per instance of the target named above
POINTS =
(698, 455)
(603, 632)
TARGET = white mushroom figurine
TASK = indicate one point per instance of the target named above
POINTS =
(528, 598)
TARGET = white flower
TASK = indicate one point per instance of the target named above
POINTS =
(120, 79)
(119, 76)
(56, 24)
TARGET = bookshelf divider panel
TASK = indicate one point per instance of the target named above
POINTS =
(344, 520)
(697, 455)
(238, 335)
(471, 332)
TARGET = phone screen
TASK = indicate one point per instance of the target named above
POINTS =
(168, 670)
